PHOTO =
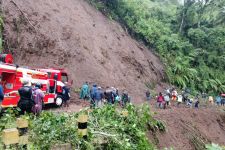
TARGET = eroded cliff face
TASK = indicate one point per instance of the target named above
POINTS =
(71, 34)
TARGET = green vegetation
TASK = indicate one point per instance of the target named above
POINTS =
(107, 128)
(189, 38)
(214, 147)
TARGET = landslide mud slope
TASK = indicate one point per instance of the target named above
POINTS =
(73, 35)
(189, 128)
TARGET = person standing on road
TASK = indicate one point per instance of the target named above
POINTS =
(26, 101)
(66, 94)
(218, 100)
(174, 94)
(167, 100)
(108, 95)
(84, 93)
(148, 95)
(179, 100)
(160, 101)
(93, 93)
(38, 97)
(125, 98)
(197, 103)
(114, 93)
(98, 97)
(211, 100)
(222, 99)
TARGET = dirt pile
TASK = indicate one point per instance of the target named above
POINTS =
(73, 35)
(190, 129)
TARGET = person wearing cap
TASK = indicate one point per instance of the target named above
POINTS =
(38, 97)
(98, 97)
(26, 101)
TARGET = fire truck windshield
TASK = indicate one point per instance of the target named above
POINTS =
(64, 78)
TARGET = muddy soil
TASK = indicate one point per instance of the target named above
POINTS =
(186, 128)
(189, 128)
(73, 35)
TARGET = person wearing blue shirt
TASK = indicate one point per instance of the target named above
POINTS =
(93, 93)
(98, 96)
(218, 100)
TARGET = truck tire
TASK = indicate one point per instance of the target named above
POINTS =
(59, 101)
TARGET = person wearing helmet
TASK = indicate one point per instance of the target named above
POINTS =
(38, 97)
(26, 101)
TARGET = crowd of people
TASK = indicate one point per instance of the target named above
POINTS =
(99, 96)
(170, 97)
(31, 97)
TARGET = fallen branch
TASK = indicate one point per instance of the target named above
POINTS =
(24, 14)
(102, 133)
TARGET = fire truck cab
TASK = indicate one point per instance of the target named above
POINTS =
(57, 79)
(52, 81)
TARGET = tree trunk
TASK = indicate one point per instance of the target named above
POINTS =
(182, 21)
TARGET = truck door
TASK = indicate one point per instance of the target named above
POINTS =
(10, 86)
(50, 92)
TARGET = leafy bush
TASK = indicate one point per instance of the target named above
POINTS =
(214, 147)
(107, 128)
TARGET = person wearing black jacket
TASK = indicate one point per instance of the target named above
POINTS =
(26, 101)
(66, 94)
(108, 95)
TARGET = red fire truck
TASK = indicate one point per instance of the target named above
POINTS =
(52, 81)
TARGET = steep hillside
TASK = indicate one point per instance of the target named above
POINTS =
(190, 129)
(73, 35)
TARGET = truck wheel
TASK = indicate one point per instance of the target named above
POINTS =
(59, 101)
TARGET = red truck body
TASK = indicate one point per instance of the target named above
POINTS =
(52, 81)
